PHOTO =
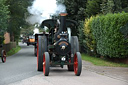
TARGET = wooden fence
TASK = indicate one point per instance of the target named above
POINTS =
(9, 46)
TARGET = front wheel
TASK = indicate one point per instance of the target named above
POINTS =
(27, 44)
(35, 51)
(3, 56)
(46, 65)
(77, 64)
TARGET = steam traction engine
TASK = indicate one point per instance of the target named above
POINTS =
(58, 47)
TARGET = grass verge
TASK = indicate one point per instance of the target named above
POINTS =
(13, 51)
(102, 62)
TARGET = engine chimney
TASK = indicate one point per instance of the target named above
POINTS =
(63, 21)
(62, 25)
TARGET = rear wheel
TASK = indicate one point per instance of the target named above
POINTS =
(46, 65)
(77, 64)
(74, 49)
(41, 48)
(3, 56)
(74, 45)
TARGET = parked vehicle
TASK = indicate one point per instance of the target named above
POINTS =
(58, 46)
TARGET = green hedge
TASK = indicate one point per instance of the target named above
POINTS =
(109, 39)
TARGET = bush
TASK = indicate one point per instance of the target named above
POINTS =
(89, 38)
(1, 40)
(106, 31)
(13, 51)
(81, 35)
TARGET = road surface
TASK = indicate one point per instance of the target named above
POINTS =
(19, 66)
(20, 69)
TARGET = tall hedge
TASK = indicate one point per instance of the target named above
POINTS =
(109, 39)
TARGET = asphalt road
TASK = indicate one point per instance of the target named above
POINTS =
(19, 66)
(20, 69)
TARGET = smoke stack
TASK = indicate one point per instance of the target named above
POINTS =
(63, 21)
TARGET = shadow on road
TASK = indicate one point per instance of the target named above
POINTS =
(58, 70)
(1, 62)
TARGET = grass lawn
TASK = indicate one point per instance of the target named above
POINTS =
(102, 62)
(13, 51)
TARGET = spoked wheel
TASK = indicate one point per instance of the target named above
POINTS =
(46, 61)
(77, 64)
(3, 56)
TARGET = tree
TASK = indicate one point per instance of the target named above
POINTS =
(118, 7)
(3, 19)
(60, 1)
(124, 5)
(110, 6)
(93, 7)
(27, 31)
(17, 9)
(103, 6)
(76, 9)
(114, 6)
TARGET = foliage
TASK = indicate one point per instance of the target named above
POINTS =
(3, 19)
(81, 36)
(107, 6)
(18, 9)
(93, 7)
(109, 40)
(80, 9)
(75, 9)
(13, 51)
(110, 6)
(27, 31)
(102, 62)
(60, 1)
(124, 31)
(114, 6)
(89, 38)
(118, 5)
(124, 3)
(103, 6)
